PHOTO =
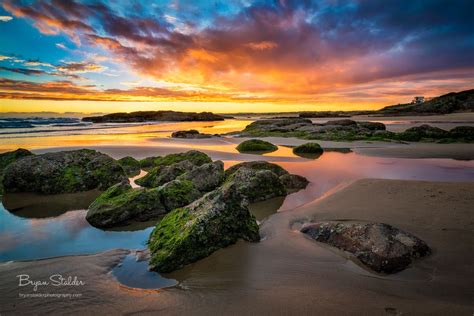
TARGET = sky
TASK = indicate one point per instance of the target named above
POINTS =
(231, 56)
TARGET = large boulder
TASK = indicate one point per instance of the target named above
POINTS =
(257, 185)
(178, 193)
(380, 247)
(206, 177)
(130, 165)
(256, 165)
(121, 204)
(163, 174)
(308, 150)
(63, 172)
(187, 234)
(196, 157)
(9, 157)
(256, 145)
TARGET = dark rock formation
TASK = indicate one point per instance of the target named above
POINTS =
(380, 247)
(63, 172)
(190, 134)
(256, 165)
(256, 145)
(10, 157)
(150, 116)
(162, 174)
(424, 131)
(293, 182)
(130, 165)
(257, 185)
(308, 150)
(206, 177)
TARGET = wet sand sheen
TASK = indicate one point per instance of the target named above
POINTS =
(287, 272)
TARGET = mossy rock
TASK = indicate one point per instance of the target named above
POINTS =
(206, 177)
(163, 174)
(423, 132)
(196, 157)
(148, 163)
(256, 165)
(130, 165)
(188, 234)
(9, 157)
(293, 182)
(462, 132)
(121, 204)
(308, 150)
(63, 172)
(256, 146)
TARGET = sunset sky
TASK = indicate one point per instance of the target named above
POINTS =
(231, 56)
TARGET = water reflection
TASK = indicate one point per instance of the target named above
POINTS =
(32, 205)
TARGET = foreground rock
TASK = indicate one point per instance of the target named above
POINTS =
(188, 234)
(9, 157)
(194, 156)
(380, 247)
(256, 145)
(121, 204)
(63, 172)
(130, 165)
(150, 116)
(190, 134)
(169, 167)
(256, 165)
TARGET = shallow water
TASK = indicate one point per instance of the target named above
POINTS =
(50, 226)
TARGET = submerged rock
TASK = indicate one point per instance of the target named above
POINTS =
(256, 145)
(130, 165)
(187, 234)
(308, 150)
(190, 134)
(63, 172)
(121, 203)
(9, 157)
(380, 247)
(257, 165)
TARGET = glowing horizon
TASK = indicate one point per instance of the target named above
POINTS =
(229, 57)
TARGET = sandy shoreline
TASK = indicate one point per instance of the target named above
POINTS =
(286, 272)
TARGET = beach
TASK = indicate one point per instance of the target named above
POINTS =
(288, 273)
(423, 188)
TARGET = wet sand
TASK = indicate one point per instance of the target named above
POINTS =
(288, 273)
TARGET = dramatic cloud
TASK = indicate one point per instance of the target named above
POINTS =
(4, 18)
(282, 50)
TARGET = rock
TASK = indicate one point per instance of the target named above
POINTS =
(63, 172)
(206, 177)
(257, 185)
(344, 122)
(293, 182)
(308, 150)
(465, 132)
(192, 134)
(256, 165)
(196, 157)
(9, 157)
(380, 247)
(187, 234)
(130, 165)
(178, 193)
(150, 116)
(121, 204)
(373, 126)
(256, 145)
(424, 131)
(163, 174)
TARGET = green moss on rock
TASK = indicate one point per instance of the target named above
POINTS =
(196, 157)
(178, 193)
(10, 157)
(130, 165)
(188, 234)
(63, 172)
(163, 174)
(256, 165)
(256, 145)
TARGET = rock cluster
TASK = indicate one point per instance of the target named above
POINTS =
(380, 247)
(150, 116)
(63, 172)
(191, 134)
